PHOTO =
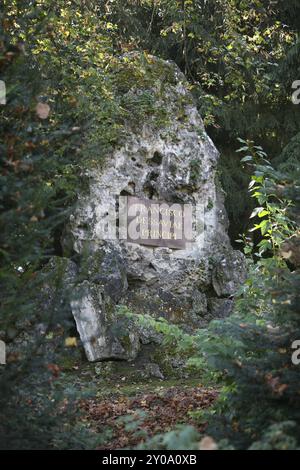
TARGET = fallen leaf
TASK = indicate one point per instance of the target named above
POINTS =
(42, 110)
(71, 341)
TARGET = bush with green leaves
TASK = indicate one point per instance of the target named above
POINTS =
(254, 346)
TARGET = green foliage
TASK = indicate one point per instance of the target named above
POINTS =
(278, 437)
(231, 50)
(174, 340)
(274, 224)
(254, 345)
(181, 438)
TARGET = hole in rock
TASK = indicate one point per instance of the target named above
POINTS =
(83, 226)
(125, 192)
(156, 159)
(134, 282)
(151, 266)
(117, 206)
(131, 185)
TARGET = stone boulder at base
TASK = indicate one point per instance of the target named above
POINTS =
(172, 160)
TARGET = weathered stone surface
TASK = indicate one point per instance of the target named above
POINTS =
(175, 162)
(105, 267)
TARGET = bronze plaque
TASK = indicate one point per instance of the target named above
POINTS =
(157, 223)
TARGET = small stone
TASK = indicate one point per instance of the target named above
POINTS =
(208, 443)
(153, 370)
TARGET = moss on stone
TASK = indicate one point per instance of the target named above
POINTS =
(195, 169)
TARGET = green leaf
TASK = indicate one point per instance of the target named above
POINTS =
(263, 213)
(248, 158)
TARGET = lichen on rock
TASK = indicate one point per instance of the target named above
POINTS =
(167, 157)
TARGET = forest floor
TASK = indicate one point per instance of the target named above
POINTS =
(125, 409)
(114, 404)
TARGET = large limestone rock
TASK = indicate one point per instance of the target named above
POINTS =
(174, 162)
(100, 333)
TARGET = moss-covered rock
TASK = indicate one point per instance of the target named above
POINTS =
(289, 159)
